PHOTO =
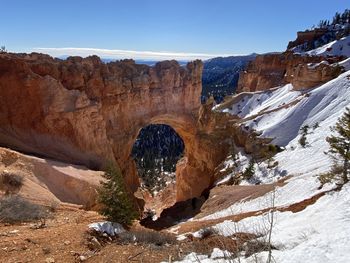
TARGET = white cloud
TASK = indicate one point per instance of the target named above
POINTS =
(121, 54)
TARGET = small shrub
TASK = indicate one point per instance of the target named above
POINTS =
(302, 141)
(339, 143)
(11, 182)
(146, 237)
(333, 175)
(304, 132)
(325, 178)
(53, 206)
(305, 129)
(207, 232)
(15, 209)
(272, 148)
(255, 246)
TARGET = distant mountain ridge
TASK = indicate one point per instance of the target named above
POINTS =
(221, 74)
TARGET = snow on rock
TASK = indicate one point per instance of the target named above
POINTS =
(107, 227)
(281, 113)
(254, 103)
(339, 47)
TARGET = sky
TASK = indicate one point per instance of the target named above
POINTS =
(158, 29)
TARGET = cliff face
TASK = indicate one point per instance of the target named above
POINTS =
(311, 75)
(307, 36)
(272, 70)
(87, 112)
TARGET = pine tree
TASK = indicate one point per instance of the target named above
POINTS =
(340, 143)
(249, 171)
(116, 203)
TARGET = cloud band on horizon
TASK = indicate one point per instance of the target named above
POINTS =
(122, 54)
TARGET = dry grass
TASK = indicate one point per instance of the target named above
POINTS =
(15, 209)
(146, 237)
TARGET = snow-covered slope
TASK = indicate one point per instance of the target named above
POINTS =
(321, 231)
(281, 113)
(339, 47)
(318, 234)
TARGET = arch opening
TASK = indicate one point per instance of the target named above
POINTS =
(156, 151)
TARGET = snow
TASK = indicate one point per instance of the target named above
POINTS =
(315, 65)
(107, 227)
(345, 64)
(339, 47)
(217, 256)
(280, 114)
(296, 190)
(254, 103)
(320, 232)
(322, 106)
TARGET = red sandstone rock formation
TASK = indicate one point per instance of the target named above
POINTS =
(311, 75)
(272, 70)
(83, 111)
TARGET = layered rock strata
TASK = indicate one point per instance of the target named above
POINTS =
(277, 69)
(83, 111)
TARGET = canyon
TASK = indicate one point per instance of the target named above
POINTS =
(86, 112)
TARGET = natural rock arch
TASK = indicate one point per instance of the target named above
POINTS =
(84, 111)
(189, 182)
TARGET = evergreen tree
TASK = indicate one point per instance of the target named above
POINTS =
(249, 171)
(340, 143)
(116, 203)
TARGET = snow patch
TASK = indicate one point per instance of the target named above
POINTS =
(107, 227)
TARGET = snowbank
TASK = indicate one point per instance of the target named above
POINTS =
(339, 47)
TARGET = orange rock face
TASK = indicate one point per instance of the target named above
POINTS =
(311, 75)
(272, 70)
(86, 112)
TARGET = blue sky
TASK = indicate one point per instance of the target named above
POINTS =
(193, 28)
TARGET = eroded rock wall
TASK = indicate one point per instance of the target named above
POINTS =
(83, 111)
(276, 69)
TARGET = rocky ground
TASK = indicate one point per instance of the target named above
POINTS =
(64, 238)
